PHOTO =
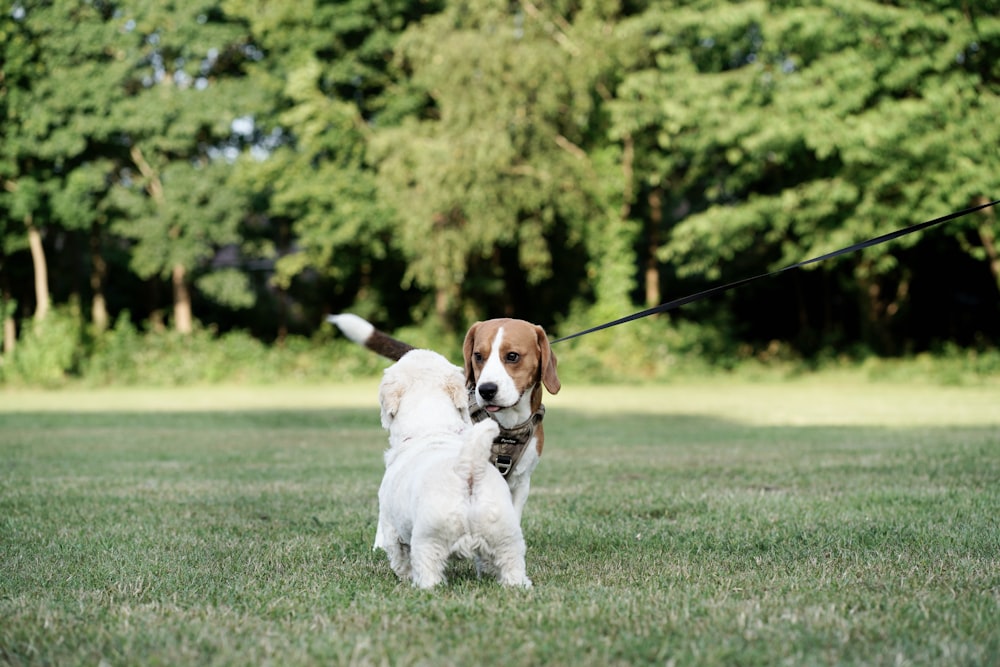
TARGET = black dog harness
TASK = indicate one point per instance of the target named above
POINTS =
(509, 445)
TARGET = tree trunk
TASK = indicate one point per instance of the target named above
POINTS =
(628, 175)
(285, 244)
(653, 296)
(98, 277)
(41, 270)
(873, 332)
(182, 300)
(7, 314)
(878, 311)
(9, 335)
(988, 240)
(442, 301)
(183, 318)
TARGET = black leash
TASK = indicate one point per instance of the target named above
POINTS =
(704, 294)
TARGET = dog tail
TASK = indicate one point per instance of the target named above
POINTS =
(474, 459)
(473, 466)
(364, 333)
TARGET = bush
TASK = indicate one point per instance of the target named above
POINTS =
(125, 356)
(113, 357)
(47, 351)
(654, 349)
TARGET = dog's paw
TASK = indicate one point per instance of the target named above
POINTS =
(426, 582)
(514, 580)
(487, 429)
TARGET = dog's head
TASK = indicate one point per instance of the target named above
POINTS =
(508, 362)
(428, 386)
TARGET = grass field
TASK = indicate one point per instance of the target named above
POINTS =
(817, 521)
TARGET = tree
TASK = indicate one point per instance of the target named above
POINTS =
(22, 173)
(443, 161)
(328, 70)
(497, 176)
(81, 203)
(787, 131)
(126, 99)
(186, 91)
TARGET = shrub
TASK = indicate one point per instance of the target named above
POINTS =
(655, 349)
(113, 357)
(126, 356)
(47, 351)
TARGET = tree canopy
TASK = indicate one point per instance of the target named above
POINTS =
(254, 165)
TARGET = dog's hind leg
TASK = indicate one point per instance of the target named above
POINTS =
(428, 558)
(399, 561)
(513, 573)
(397, 551)
(508, 559)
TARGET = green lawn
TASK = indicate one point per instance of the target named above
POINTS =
(816, 521)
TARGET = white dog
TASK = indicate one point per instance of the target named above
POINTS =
(440, 495)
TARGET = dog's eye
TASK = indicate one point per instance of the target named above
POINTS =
(478, 357)
(513, 357)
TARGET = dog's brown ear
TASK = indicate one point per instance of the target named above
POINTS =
(548, 362)
(470, 372)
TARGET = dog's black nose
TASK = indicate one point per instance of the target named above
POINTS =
(488, 390)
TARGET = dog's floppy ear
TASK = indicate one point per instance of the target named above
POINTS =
(390, 393)
(548, 362)
(470, 372)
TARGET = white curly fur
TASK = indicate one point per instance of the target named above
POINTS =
(440, 495)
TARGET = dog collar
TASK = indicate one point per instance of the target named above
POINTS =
(510, 444)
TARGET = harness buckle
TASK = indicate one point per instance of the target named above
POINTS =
(504, 463)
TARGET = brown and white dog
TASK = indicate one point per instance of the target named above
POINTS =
(507, 363)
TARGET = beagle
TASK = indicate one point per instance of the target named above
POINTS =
(507, 364)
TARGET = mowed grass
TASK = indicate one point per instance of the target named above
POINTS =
(818, 521)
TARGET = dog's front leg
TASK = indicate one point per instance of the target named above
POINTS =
(519, 496)
(508, 560)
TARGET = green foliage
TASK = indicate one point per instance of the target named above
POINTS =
(199, 214)
(793, 130)
(428, 164)
(229, 287)
(118, 123)
(125, 356)
(48, 352)
(950, 366)
(327, 75)
(653, 349)
(500, 159)
(115, 354)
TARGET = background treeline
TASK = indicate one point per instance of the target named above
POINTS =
(184, 171)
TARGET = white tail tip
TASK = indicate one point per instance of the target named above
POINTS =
(356, 328)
